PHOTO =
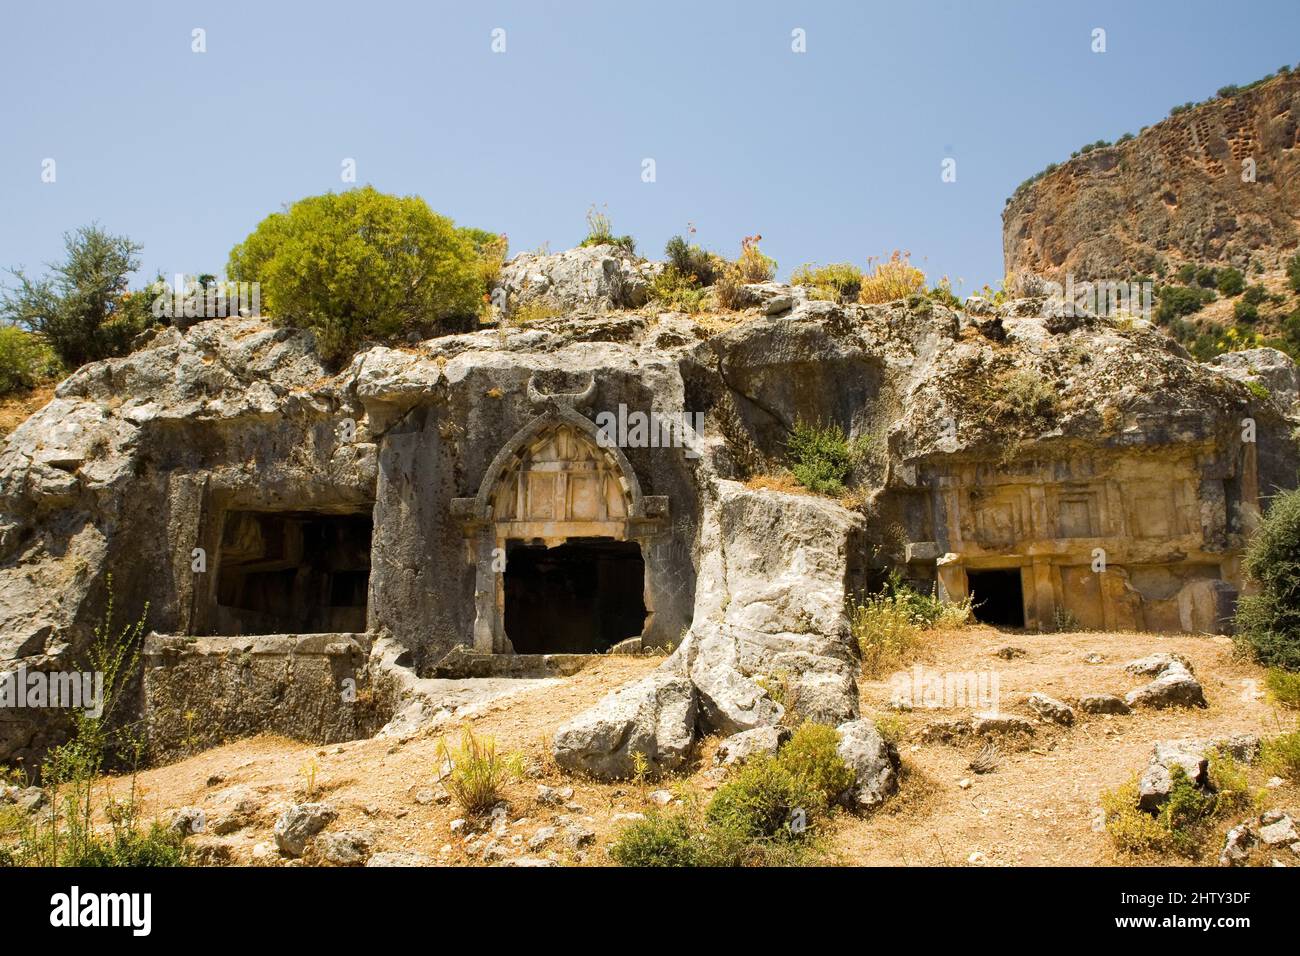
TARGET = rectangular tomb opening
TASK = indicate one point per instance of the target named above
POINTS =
(581, 597)
(997, 596)
(293, 572)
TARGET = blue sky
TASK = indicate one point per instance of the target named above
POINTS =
(834, 154)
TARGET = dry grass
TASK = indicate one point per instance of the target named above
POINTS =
(17, 407)
(894, 278)
(1037, 808)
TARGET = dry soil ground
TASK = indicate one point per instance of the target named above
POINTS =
(1037, 808)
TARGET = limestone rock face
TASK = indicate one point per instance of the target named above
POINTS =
(998, 441)
(1174, 193)
(596, 278)
(770, 610)
(654, 717)
(1275, 371)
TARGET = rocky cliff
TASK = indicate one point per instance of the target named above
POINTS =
(1181, 191)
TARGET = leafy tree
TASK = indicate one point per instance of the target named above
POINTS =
(361, 266)
(82, 309)
(1268, 622)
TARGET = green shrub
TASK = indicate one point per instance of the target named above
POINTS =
(1184, 812)
(1206, 277)
(1293, 272)
(1131, 830)
(1231, 282)
(661, 839)
(1281, 755)
(1229, 783)
(361, 266)
(1179, 826)
(678, 291)
(691, 262)
(1186, 273)
(1284, 687)
(83, 311)
(25, 360)
(760, 801)
(823, 456)
(886, 630)
(1255, 294)
(1268, 622)
(812, 756)
(1243, 311)
(1175, 301)
(837, 282)
(489, 256)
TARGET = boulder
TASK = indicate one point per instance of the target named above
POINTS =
(595, 278)
(344, 848)
(187, 821)
(1103, 704)
(299, 823)
(1156, 664)
(1272, 369)
(1051, 709)
(1279, 831)
(1175, 687)
(738, 748)
(1237, 846)
(875, 763)
(655, 717)
(1157, 780)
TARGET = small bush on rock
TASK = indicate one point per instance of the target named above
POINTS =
(83, 309)
(692, 263)
(600, 232)
(1268, 622)
(823, 456)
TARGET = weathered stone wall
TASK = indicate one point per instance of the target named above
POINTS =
(198, 692)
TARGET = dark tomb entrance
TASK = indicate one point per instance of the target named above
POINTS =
(997, 597)
(581, 597)
(293, 572)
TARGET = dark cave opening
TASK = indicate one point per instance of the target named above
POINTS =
(293, 572)
(997, 597)
(581, 597)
